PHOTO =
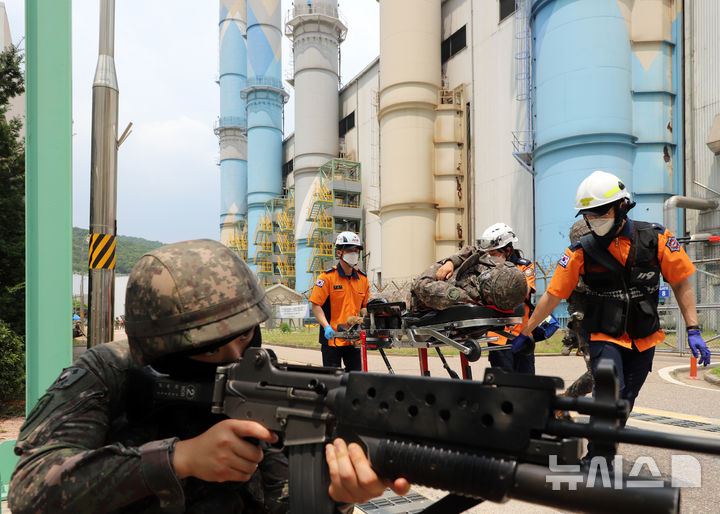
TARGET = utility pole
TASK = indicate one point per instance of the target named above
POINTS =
(103, 184)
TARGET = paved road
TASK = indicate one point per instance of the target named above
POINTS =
(667, 398)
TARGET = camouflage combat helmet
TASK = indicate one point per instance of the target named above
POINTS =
(190, 295)
(503, 286)
(579, 229)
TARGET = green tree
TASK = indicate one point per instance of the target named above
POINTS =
(12, 364)
(12, 196)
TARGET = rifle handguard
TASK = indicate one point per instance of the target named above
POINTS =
(499, 480)
(468, 474)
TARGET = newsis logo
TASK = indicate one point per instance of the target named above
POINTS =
(685, 471)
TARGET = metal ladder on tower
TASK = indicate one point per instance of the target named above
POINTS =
(523, 138)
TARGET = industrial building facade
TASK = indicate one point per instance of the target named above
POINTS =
(477, 112)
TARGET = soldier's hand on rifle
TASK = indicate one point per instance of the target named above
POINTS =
(222, 453)
(697, 345)
(445, 271)
(352, 479)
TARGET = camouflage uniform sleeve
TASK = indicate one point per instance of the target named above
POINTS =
(437, 294)
(458, 258)
(274, 472)
(65, 462)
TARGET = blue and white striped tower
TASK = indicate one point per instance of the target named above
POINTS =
(604, 100)
(232, 125)
(265, 97)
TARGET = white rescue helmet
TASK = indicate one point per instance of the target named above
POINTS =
(348, 240)
(496, 236)
(598, 191)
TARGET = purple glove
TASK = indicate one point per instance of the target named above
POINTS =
(696, 344)
(524, 345)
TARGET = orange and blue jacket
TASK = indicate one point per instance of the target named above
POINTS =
(674, 265)
(340, 297)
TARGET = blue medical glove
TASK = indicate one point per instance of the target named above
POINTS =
(329, 332)
(524, 345)
(697, 345)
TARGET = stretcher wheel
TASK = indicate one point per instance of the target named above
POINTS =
(475, 350)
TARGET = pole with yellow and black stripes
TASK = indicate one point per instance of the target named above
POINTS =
(103, 185)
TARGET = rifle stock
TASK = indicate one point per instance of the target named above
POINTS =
(490, 439)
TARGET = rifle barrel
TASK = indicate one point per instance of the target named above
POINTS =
(635, 436)
(533, 483)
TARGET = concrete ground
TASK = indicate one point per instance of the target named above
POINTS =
(669, 398)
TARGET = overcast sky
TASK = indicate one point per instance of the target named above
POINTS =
(166, 57)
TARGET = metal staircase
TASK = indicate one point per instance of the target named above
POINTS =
(523, 139)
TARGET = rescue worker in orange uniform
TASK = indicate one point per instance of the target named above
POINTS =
(340, 292)
(621, 261)
(497, 241)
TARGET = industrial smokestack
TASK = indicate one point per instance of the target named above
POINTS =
(231, 127)
(316, 32)
(103, 184)
(410, 40)
(265, 98)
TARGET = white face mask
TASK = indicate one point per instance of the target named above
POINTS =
(351, 258)
(497, 259)
(601, 226)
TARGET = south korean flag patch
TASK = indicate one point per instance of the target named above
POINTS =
(673, 244)
(564, 261)
(320, 282)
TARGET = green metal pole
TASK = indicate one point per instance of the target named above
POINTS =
(48, 168)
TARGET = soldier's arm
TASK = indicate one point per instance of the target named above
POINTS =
(458, 258)
(438, 294)
(66, 464)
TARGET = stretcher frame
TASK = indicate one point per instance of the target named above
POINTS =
(416, 330)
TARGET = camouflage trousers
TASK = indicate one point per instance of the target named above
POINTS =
(583, 385)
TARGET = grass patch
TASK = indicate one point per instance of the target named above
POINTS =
(715, 371)
(308, 337)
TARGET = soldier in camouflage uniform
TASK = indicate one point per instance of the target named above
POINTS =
(90, 444)
(475, 279)
(584, 383)
(496, 246)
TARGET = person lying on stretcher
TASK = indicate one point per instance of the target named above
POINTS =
(477, 280)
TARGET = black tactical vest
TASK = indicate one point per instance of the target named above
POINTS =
(623, 299)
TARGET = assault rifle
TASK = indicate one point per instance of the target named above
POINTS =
(492, 440)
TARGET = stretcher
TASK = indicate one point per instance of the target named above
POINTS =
(462, 327)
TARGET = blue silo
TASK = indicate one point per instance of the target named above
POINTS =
(604, 99)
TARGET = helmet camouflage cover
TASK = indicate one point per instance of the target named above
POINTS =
(504, 286)
(579, 229)
(189, 295)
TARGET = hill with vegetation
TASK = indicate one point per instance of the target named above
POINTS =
(127, 251)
